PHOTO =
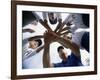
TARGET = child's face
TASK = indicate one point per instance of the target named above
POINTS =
(33, 44)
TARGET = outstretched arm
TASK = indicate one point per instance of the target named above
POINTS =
(30, 53)
(45, 24)
(69, 44)
(28, 30)
(65, 42)
(39, 49)
(46, 55)
(42, 22)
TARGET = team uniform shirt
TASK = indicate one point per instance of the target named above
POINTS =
(28, 58)
(28, 53)
(75, 21)
(71, 61)
(44, 16)
(81, 38)
(25, 44)
(39, 30)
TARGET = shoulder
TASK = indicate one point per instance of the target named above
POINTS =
(74, 57)
(77, 35)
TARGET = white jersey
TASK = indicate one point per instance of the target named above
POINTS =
(75, 20)
(28, 56)
(77, 36)
(27, 52)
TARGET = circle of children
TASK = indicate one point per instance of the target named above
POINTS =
(72, 33)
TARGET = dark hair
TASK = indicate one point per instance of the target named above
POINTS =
(27, 17)
(85, 18)
(37, 40)
(60, 47)
(52, 21)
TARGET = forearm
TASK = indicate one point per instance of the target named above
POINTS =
(46, 56)
(68, 44)
(37, 37)
(39, 49)
(28, 30)
(44, 15)
(67, 19)
(58, 26)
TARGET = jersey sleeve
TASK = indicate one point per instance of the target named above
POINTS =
(74, 60)
(29, 53)
(77, 36)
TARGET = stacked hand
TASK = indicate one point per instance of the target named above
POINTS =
(50, 36)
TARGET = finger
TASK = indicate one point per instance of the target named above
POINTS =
(66, 28)
(66, 32)
(58, 26)
(45, 24)
(61, 27)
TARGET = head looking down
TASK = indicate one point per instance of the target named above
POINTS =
(52, 18)
(61, 53)
(34, 43)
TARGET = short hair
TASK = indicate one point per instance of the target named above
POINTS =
(85, 18)
(52, 21)
(37, 40)
(60, 47)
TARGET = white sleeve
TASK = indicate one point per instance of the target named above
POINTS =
(59, 16)
(77, 36)
(44, 15)
(37, 16)
(29, 53)
(68, 18)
